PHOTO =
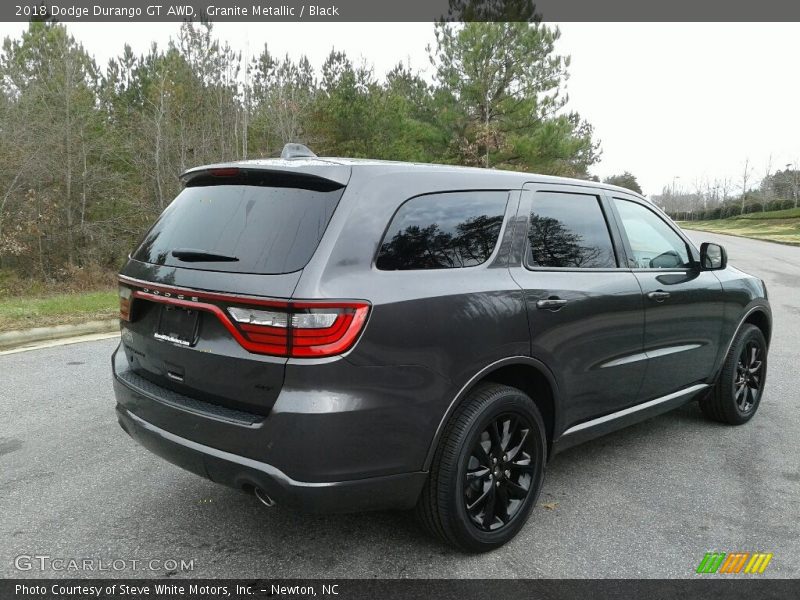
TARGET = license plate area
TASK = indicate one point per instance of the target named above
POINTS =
(177, 325)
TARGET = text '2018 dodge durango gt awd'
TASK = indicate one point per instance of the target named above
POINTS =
(350, 335)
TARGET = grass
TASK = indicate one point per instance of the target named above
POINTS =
(23, 312)
(781, 226)
(789, 213)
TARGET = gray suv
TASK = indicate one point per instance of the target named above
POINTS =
(349, 335)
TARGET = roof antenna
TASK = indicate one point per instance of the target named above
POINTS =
(296, 151)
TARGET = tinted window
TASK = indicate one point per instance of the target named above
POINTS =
(267, 229)
(654, 244)
(443, 231)
(569, 231)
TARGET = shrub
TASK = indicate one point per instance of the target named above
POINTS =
(776, 204)
(91, 277)
(729, 211)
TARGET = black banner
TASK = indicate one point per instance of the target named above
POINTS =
(405, 10)
(733, 588)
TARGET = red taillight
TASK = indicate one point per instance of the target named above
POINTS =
(308, 329)
(302, 329)
(326, 340)
(125, 300)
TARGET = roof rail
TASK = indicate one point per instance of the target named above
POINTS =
(296, 151)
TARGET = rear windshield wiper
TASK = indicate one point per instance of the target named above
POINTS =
(192, 255)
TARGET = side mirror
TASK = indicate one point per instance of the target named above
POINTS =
(713, 257)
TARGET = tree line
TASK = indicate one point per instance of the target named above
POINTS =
(751, 192)
(91, 155)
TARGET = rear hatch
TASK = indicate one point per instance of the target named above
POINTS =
(205, 297)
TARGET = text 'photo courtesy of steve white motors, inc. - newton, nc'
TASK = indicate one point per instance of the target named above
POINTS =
(188, 11)
(194, 590)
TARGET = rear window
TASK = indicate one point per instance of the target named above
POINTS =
(264, 229)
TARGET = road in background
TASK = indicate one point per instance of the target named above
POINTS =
(647, 501)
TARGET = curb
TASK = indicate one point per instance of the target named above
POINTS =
(12, 339)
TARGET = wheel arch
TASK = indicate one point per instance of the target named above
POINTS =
(522, 372)
(758, 316)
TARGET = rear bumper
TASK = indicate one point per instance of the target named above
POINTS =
(374, 493)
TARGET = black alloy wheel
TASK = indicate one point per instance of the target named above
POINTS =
(737, 394)
(487, 470)
(747, 378)
(500, 472)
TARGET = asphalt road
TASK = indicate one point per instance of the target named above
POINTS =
(647, 501)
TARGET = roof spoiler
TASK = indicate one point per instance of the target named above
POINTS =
(296, 161)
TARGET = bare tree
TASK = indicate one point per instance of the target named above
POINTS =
(725, 187)
(700, 197)
(767, 185)
(745, 179)
(159, 114)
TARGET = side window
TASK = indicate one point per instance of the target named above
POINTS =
(654, 244)
(443, 231)
(568, 231)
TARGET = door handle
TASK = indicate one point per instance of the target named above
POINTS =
(658, 296)
(553, 304)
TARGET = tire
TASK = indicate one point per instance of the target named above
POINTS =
(508, 489)
(737, 393)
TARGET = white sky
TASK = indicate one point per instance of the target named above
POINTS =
(669, 101)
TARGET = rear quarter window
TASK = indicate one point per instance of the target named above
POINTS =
(268, 229)
(443, 231)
